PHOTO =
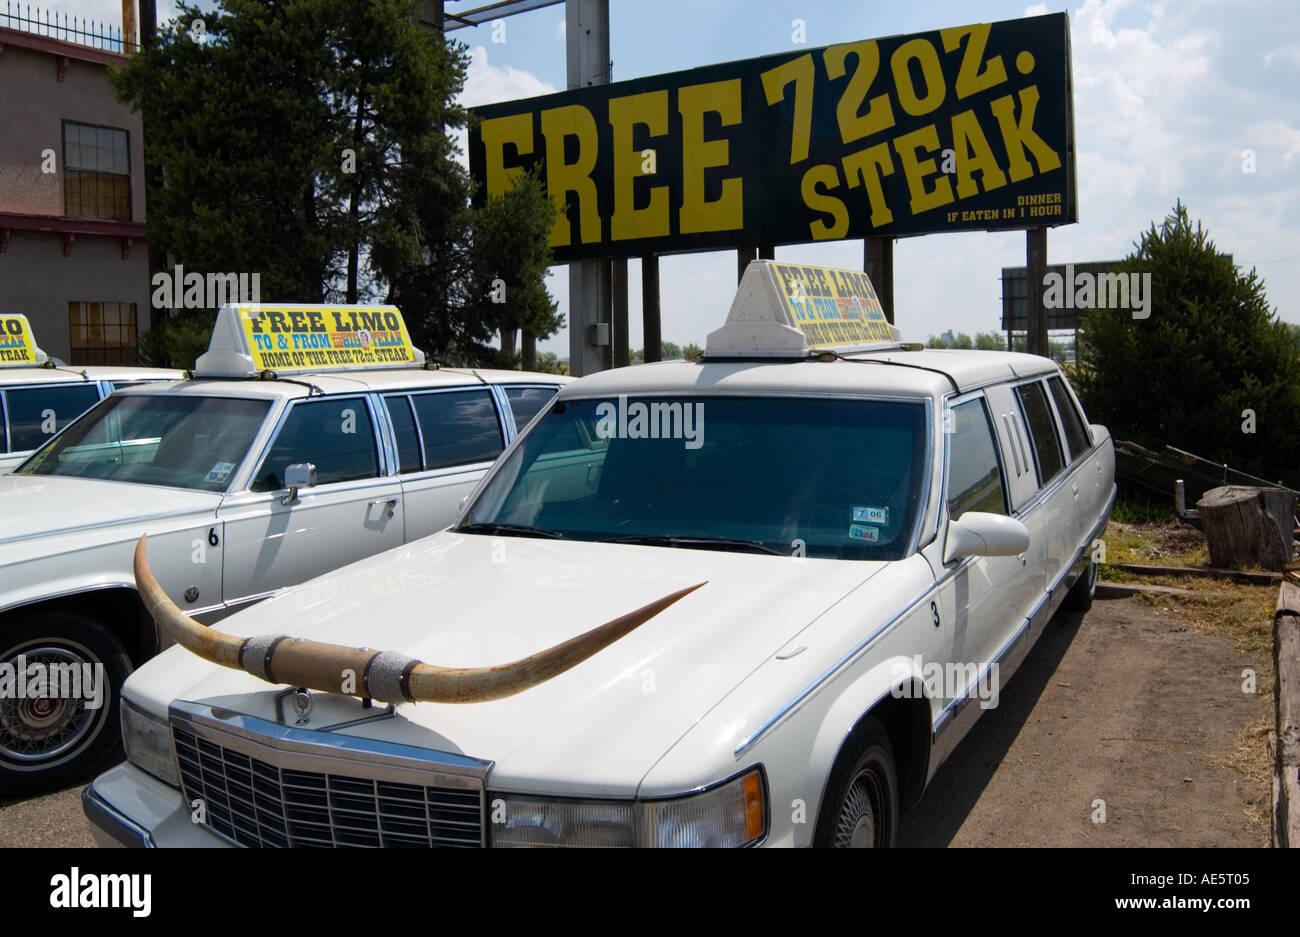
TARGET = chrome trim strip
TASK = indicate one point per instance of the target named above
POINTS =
(847, 659)
(309, 750)
(112, 822)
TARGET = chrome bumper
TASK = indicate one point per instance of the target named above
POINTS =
(110, 826)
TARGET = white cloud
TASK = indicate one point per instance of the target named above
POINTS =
(487, 84)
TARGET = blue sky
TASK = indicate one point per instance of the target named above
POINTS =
(1167, 96)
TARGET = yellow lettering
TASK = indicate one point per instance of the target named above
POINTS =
(496, 133)
(563, 178)
(727, 212)
(827, 177)
(973, 155)
(916, 171)
(921, 51)
(866, 168)
(1018, 135)
(971, 78)
(651, 111)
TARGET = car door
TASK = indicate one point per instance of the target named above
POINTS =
(990, 593)
(354, 510)
(446, 440)
(1057, 489)
(1087, 469)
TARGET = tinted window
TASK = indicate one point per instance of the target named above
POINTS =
(408, 441)
(974, 475)
(1042, 431)
(37, 413)
(707, 472)
(458, 428)
(334, 435)
(179, 441)
(3, 447)
(1075, 433)
(525, 402)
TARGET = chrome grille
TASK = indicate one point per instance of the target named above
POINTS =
(253, 801)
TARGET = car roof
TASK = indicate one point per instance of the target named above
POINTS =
(354, 382)
(70, 374)
(893, 372)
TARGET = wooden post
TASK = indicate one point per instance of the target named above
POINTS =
(1247, 526)
(1036, 262)
(653, 331)
(878, 264)
(1285, 743)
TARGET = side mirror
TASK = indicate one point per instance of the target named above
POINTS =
(976, 533)
(298, 475)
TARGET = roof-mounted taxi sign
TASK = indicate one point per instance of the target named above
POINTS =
(794, 310)
(249, 340)
(17, 346)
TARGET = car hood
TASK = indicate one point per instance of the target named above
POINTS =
(459, 600)
(36, 506)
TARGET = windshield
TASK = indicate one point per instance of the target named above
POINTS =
(793, 476)
(176, 441)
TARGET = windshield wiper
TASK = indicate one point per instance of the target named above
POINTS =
(695, 542)
(519, 530)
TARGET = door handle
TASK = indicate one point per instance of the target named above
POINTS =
(1075, 488)
(391, 502)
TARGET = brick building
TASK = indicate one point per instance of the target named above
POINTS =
(73, 254)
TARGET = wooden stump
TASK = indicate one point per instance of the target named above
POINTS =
(1248, 526)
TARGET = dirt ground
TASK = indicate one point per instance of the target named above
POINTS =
(1135, 704)
(1139, 703)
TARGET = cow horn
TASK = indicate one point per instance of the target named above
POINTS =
(382, 675)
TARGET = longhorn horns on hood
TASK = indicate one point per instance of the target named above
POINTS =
(383, 675)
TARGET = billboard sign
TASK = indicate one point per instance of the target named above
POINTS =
(967, 128)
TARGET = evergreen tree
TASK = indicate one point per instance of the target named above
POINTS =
(1210, 370)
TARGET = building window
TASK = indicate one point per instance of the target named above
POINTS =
(97, 172)
(102, 333)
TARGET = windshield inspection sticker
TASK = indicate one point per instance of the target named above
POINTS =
(220, 472)
(871, 515)
(862, 532)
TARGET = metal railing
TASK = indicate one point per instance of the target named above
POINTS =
(74, 29)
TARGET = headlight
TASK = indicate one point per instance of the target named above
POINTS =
(733, 813)
(147, 741)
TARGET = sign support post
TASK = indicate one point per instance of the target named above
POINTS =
(653, 329)
(587, 40)
(1036, 264)
(878, 264)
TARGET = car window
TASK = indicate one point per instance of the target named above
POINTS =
(974, 474)
(334, 435)
(458, 427)
(717, 472)
(37, 413)
(178, 441)
(1076, 433)
(1042, 431)
(525, 402)
(3, 428)
(408, 440)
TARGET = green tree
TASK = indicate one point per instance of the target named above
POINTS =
(510, 260)
(306, 140)
(671, 352)
(1210, 355)
(990, 341)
